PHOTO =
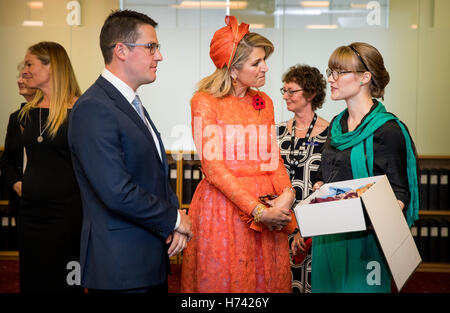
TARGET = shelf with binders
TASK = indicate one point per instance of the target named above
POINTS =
(184, 177)
(8, 228)
(186, 166)
(434, 192)
(432, 240)
(430, 232)
(8, 232)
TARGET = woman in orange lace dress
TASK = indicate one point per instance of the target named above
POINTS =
(239, 244)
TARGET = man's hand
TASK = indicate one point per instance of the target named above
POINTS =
(317, 185)
(178, 242)
(18, 188)
(185, 226)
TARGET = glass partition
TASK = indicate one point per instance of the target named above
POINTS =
(412, 36)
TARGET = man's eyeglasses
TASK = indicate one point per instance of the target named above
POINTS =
(336, 74)
(152, 47)
(289, 92)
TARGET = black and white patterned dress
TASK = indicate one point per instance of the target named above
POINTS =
(303, 178)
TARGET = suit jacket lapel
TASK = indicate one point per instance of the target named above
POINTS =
(123, 105)
(161, 145)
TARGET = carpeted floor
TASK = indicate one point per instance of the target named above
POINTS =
(9, 276)
(420, 282)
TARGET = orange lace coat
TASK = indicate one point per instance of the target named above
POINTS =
(229, 251)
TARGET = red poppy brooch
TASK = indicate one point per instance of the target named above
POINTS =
(258, 102)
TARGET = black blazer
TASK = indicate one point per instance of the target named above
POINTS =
(11, 162)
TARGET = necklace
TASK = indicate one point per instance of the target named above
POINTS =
(295, 158)
(297, 128)
(40, 138)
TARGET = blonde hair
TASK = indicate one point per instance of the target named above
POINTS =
(219, 83)
(344, 58)
(64, 84)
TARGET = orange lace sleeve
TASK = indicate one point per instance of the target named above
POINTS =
(216, 171)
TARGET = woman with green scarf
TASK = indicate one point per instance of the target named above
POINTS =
(364, 140)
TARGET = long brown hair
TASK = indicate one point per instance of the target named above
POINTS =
(64, 89)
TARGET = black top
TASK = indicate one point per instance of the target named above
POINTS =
(49, 175)
(389, 158)
(12, 157)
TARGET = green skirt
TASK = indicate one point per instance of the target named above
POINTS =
(349, 262)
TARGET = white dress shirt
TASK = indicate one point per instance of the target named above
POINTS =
(129, 94)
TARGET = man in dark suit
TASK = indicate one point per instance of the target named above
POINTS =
(11, 162)
(131, 220)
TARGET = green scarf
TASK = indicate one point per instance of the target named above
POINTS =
(363, 136)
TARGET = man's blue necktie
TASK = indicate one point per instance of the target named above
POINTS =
(138, 106)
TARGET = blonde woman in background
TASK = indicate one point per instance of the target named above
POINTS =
(50, 215)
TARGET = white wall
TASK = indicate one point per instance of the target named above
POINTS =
(417, 57)
(81, 43)
(412, 36)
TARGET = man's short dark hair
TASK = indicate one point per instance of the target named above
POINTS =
(121, 26)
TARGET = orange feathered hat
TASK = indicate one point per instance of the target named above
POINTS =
(225, 41)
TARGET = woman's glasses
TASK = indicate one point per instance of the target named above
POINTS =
(289, 92)
(337, 74)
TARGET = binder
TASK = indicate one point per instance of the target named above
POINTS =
(433, 199)
(434, 240)
(196, 177)
(444, 244)
(424, 242)
(423, 189)
(173, 176)
(415, 234)
(14, 236)
(187, 183)
(443, 189)
(4, 231)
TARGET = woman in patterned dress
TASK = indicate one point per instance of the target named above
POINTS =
(300, 140)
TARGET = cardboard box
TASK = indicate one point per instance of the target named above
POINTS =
(383, 210)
